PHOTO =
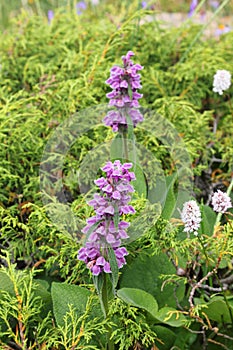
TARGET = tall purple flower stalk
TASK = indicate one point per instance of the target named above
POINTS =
(124, 81)
(50, 16)
(80, 7)
(192, 8)
(105, 229)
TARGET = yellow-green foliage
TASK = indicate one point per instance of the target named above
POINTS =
(51, 71)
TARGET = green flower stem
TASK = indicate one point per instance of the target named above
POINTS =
(125, 146)
(219, 216)
(105, 302)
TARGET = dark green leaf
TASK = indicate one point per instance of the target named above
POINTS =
(171, 317)
(208, 220)
(139, 184)
(139, 298)
(166, 337)
(6, 283)
(170, 202)
(144, 274)
(218, 310)
(64, 295)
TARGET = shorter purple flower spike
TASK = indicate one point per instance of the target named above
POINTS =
(124, 97)
(221, 202)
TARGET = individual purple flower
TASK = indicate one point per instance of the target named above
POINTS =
(144, 4)
(192, 8)
(191, 217)
(124, 81)
(106, 229)
(80, 7)
(50, 15)
(91, 255)
(221, 202)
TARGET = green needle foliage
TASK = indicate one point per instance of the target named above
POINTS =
(51, 71)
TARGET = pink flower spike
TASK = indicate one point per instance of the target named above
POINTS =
(221, 202)
(191, 217)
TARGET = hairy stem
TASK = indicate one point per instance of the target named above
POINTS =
(105, 301)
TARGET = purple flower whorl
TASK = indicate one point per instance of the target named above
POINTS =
(124, 81)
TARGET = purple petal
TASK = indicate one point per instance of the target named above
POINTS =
(107, 268)
(110, 238)
(100, 261)
(124, 84)
(96, 270)
(109, 210)
(116, 195)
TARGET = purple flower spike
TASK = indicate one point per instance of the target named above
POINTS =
(102, 230)
(124, 97)
(192, 8)
(50, 15)
(80, 7)
(144, 4)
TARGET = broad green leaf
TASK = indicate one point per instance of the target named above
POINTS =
(144, 273)
(208, 220)
(184, 339)
(139, 298)
(42, 292)
(166, 337)
(139, 184)
(170, 202)
(66, 294)
(6, 283)
(218, 310)
(171, 317)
